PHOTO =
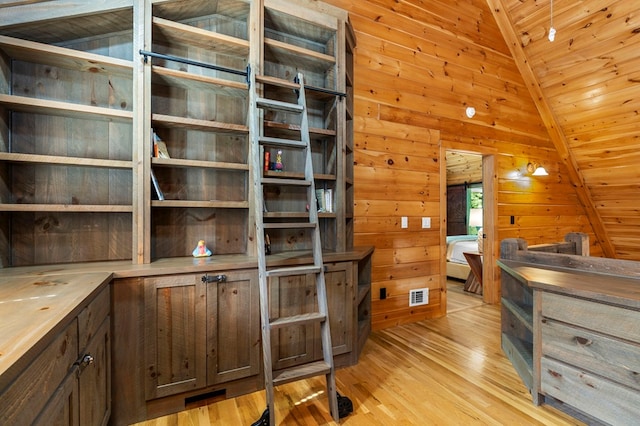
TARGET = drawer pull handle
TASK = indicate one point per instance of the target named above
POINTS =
(214, 278)
(582, 341)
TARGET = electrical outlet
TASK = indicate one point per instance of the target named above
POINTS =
(383, 293)
(404, 222)
(426, 222)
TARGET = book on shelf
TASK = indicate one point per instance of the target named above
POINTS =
(156, 187)
(328, 200)
(159, 147)
(324, 198)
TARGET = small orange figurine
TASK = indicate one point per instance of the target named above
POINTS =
(201, 250)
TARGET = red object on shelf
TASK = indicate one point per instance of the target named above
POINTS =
(267, 157)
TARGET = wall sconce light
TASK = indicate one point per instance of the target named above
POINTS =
(536, 170)
(471, 111)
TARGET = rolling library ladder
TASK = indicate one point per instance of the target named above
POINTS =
(260, 144)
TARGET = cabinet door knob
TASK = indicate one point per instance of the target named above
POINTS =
(84, 361)
(87, 360)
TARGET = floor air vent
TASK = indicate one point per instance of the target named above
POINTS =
(419, 296)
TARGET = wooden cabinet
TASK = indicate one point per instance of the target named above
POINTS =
(200, 333)
(587, 363)
(517, 302)
(295, 295)
(68, 380)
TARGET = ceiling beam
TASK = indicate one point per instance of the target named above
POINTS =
(551, 123)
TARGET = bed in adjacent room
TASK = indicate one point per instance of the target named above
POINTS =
(457, 266)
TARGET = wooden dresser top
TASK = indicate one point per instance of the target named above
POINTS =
(602, 287)
(34, 306)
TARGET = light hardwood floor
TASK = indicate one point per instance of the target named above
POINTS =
(448, 371)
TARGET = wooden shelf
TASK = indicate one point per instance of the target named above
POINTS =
(189, 81)
(187, 35)
(46, 54)
(64, 109)
(176, 162)
(520, 354)
(294, 127)
(170, 121)
(201, 204)
(522, 313)
(70, 208)
(277, 51)
(298, 175)
(318, 29)
(65, 161)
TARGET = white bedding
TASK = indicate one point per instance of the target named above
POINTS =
(456, 248)
(457, 266)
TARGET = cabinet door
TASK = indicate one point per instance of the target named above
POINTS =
(175, 335)
(297, 295)
(94, 379)
(233, 324)
(61, 410)
(340, 298)
(291, 296)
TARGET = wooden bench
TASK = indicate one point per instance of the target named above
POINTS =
(571, 328)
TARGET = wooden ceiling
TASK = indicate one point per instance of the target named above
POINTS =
(463, 168)
(586, 86)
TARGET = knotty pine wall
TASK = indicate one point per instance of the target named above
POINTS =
(418, 65)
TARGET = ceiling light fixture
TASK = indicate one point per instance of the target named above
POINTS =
(471, 111)
(536, 170)
(552, 31)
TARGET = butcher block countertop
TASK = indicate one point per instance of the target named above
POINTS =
(34, 306)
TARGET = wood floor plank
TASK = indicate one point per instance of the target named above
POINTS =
(446, 371)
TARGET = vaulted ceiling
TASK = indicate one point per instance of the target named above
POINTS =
(586, 86)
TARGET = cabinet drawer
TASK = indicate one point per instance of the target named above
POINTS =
(612, 320)
(615, 359)
(585, 391)
(28, 394)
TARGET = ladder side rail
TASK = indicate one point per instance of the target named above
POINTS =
(321, 288)
(255, 127)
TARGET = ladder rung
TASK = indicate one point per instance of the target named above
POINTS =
(285, 215)
(312, 317)
(275, 81)
(293, 270)
(290, 182)
(300, 372)
(279, 105)
(288, 225)
(264, 140)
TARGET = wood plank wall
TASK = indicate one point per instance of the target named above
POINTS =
(418, 65)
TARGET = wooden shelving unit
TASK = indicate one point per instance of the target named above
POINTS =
(79, 104)
(200, 113)
(66, 154)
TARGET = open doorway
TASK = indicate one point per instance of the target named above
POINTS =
(464, 228)
(468, 183)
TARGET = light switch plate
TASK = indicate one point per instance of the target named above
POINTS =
(404, 222)
(426, 222)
